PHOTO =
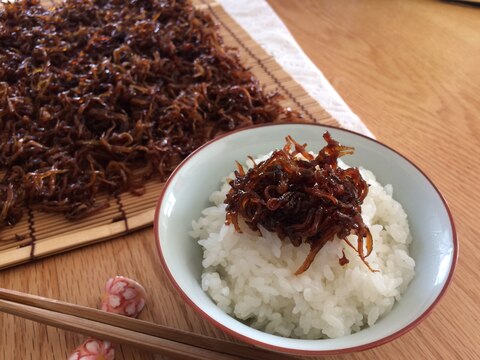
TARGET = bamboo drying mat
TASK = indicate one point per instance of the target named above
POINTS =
(42, 234)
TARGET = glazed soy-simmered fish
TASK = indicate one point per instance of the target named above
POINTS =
(101, 95)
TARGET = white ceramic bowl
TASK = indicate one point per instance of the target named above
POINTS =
(434, 246)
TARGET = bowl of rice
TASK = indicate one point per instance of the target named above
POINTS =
(247, 283)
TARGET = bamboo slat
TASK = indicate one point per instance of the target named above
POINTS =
(41, 234)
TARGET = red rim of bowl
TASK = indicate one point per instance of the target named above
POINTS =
(251, 341)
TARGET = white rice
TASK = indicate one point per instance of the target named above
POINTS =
(251, 277)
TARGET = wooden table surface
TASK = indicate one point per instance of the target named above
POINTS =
(411, 71)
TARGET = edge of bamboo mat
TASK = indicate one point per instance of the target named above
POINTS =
(48, 234)
(67, 242)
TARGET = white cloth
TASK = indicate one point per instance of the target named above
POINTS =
(264, 25)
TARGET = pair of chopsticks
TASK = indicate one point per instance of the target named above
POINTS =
(124, 330)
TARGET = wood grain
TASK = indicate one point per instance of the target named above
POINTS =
(122, 329)
(410, 71)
